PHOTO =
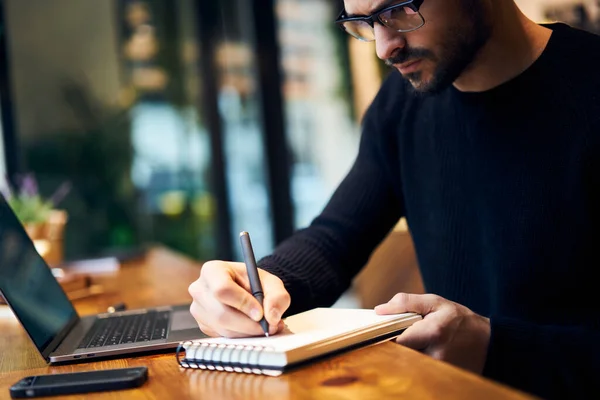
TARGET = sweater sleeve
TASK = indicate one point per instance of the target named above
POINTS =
(317, 264)
(566, 359)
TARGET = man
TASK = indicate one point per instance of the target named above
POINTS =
(486, 136)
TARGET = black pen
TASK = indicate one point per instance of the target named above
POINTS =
(252, 269)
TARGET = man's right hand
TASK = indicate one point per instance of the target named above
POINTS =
(223, 305)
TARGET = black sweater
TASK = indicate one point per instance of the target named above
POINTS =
(501, 193)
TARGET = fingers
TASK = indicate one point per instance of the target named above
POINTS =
(224, 285)
(422, 333)
(417, 336)
(277, 299)
(280, 326)
(217, 319)
(223, 306)
(422, 304)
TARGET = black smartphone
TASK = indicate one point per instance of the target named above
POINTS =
(79, 382)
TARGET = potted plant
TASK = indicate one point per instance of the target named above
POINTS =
(43, 221)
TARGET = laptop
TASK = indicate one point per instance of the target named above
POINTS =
(54, 326)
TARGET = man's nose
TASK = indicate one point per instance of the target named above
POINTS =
(387, 41)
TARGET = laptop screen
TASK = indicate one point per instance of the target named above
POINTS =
(28, 285)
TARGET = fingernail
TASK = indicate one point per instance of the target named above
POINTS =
(255, 314)
(274, 314)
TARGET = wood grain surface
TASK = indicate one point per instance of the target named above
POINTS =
(381, 371)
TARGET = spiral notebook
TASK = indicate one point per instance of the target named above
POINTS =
(307, 337)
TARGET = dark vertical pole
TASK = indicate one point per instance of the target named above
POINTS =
(270, 84)
(123, 34)
(207, 17)
(11, 155)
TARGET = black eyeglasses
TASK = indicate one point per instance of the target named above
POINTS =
(402, 17)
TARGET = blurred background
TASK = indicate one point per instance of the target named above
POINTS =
(183, 122)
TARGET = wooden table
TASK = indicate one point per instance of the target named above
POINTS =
(385, 370)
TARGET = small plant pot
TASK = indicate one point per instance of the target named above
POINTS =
(47, 236)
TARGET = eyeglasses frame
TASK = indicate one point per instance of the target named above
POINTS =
(371, 19)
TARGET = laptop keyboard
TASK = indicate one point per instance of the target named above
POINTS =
(110, 331)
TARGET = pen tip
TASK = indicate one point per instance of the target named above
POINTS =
(267, 334)
(243, 233)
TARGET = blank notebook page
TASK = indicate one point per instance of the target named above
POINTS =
(316, 325)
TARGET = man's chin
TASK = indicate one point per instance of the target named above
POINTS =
(424, 86)
(418, 82)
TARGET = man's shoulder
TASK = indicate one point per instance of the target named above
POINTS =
(571, 64)
(574, 44)
(566, 30)
(576, 72)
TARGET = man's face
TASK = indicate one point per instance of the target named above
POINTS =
(435, 55)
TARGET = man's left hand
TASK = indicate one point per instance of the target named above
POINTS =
(448, 331)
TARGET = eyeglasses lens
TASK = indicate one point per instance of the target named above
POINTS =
(402, 19)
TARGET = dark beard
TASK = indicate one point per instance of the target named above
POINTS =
(464, 42)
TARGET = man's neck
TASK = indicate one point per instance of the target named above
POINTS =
(516, 42)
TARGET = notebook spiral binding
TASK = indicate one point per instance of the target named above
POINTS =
(222, 357)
